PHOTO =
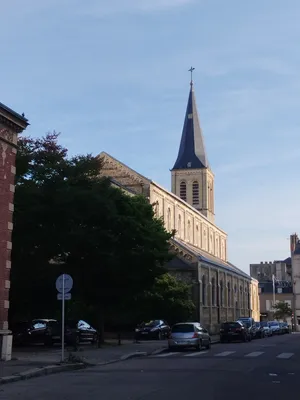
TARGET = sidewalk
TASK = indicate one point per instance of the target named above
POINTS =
(42, 361)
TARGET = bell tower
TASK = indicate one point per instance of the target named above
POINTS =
(192, 178)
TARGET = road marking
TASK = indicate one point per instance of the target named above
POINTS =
(273, 374)
(225, 353)
(165, 355)
(285, 355)
(255, 354)
(198, 353)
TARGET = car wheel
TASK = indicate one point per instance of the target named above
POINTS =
(199, 346)
(208, 346)
(159, 336)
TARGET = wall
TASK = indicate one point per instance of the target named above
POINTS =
(254, 300)
(190, 225)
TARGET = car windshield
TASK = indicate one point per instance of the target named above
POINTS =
(264, 323)
(258, 324)
(183, 328)
(274, 323)
(246, 323)
(150, 323)
(231, 325)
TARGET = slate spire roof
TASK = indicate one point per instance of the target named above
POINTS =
(192, 150)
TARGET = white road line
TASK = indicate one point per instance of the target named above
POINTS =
(285, 355)
(255, 354)
(198, 353)
(225, 353)
(165, 355)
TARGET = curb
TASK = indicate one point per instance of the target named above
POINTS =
(36, 372)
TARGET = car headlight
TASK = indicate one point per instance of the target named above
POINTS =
(137, 330)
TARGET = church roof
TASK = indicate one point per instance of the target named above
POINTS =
(192, 150)
(210, 259)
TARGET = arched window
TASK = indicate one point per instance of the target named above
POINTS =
(169, 219)
(213, 292)
(205, 240)
(241, 298)
(183, 190)
(189, 231)
(221, 293)
(204, 290)
(179, 226)
(228, 295)
(195, 193)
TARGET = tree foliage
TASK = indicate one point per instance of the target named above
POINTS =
(170, 298)
(282, 310)
(69, 220)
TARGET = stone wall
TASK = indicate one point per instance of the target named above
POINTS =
(190, 225)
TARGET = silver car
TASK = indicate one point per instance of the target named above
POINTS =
(189, 334)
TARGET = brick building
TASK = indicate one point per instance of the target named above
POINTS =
(11, 124)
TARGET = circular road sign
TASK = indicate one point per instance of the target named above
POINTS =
(68, 283)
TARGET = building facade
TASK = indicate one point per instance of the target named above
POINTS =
(220, 290)
(281, 269)
(11, 124)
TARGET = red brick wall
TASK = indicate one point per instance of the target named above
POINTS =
(7, 177)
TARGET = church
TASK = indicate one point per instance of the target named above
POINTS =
(220, 290)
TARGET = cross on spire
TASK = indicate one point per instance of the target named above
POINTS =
(191, 71)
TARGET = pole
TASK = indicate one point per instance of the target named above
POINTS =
(63, 321)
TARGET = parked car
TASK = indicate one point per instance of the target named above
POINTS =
(266, 328)
(234, 330)
(275, 327)
(259, 330)
(46, 331)
(155, 329)
(78, 331)
(189, 334)
(284, 327)
(249, 323)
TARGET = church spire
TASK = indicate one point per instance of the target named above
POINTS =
(192, 150)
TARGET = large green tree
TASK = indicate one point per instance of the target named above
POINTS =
(68, 219)
(282, 310)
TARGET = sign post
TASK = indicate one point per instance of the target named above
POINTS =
(64, 284)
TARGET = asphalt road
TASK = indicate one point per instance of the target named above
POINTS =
(267, 367)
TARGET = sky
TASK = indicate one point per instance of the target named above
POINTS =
(113, 76)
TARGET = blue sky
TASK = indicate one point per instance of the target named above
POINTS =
(112, 75)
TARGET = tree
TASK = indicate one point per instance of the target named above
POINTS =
(282, 310)
(68, 219)
(169, 299)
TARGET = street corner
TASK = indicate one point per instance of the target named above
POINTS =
(37, 372)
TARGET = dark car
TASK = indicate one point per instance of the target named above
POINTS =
(155, 329)
(230, 331)
(259, 330)
(46, 331)
(249, 323)
(78, 331)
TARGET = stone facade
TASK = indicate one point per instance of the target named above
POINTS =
(11, 124)
(219, 290)
(196, 187)
(190, 224)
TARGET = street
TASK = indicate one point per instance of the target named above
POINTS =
(267, 367)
